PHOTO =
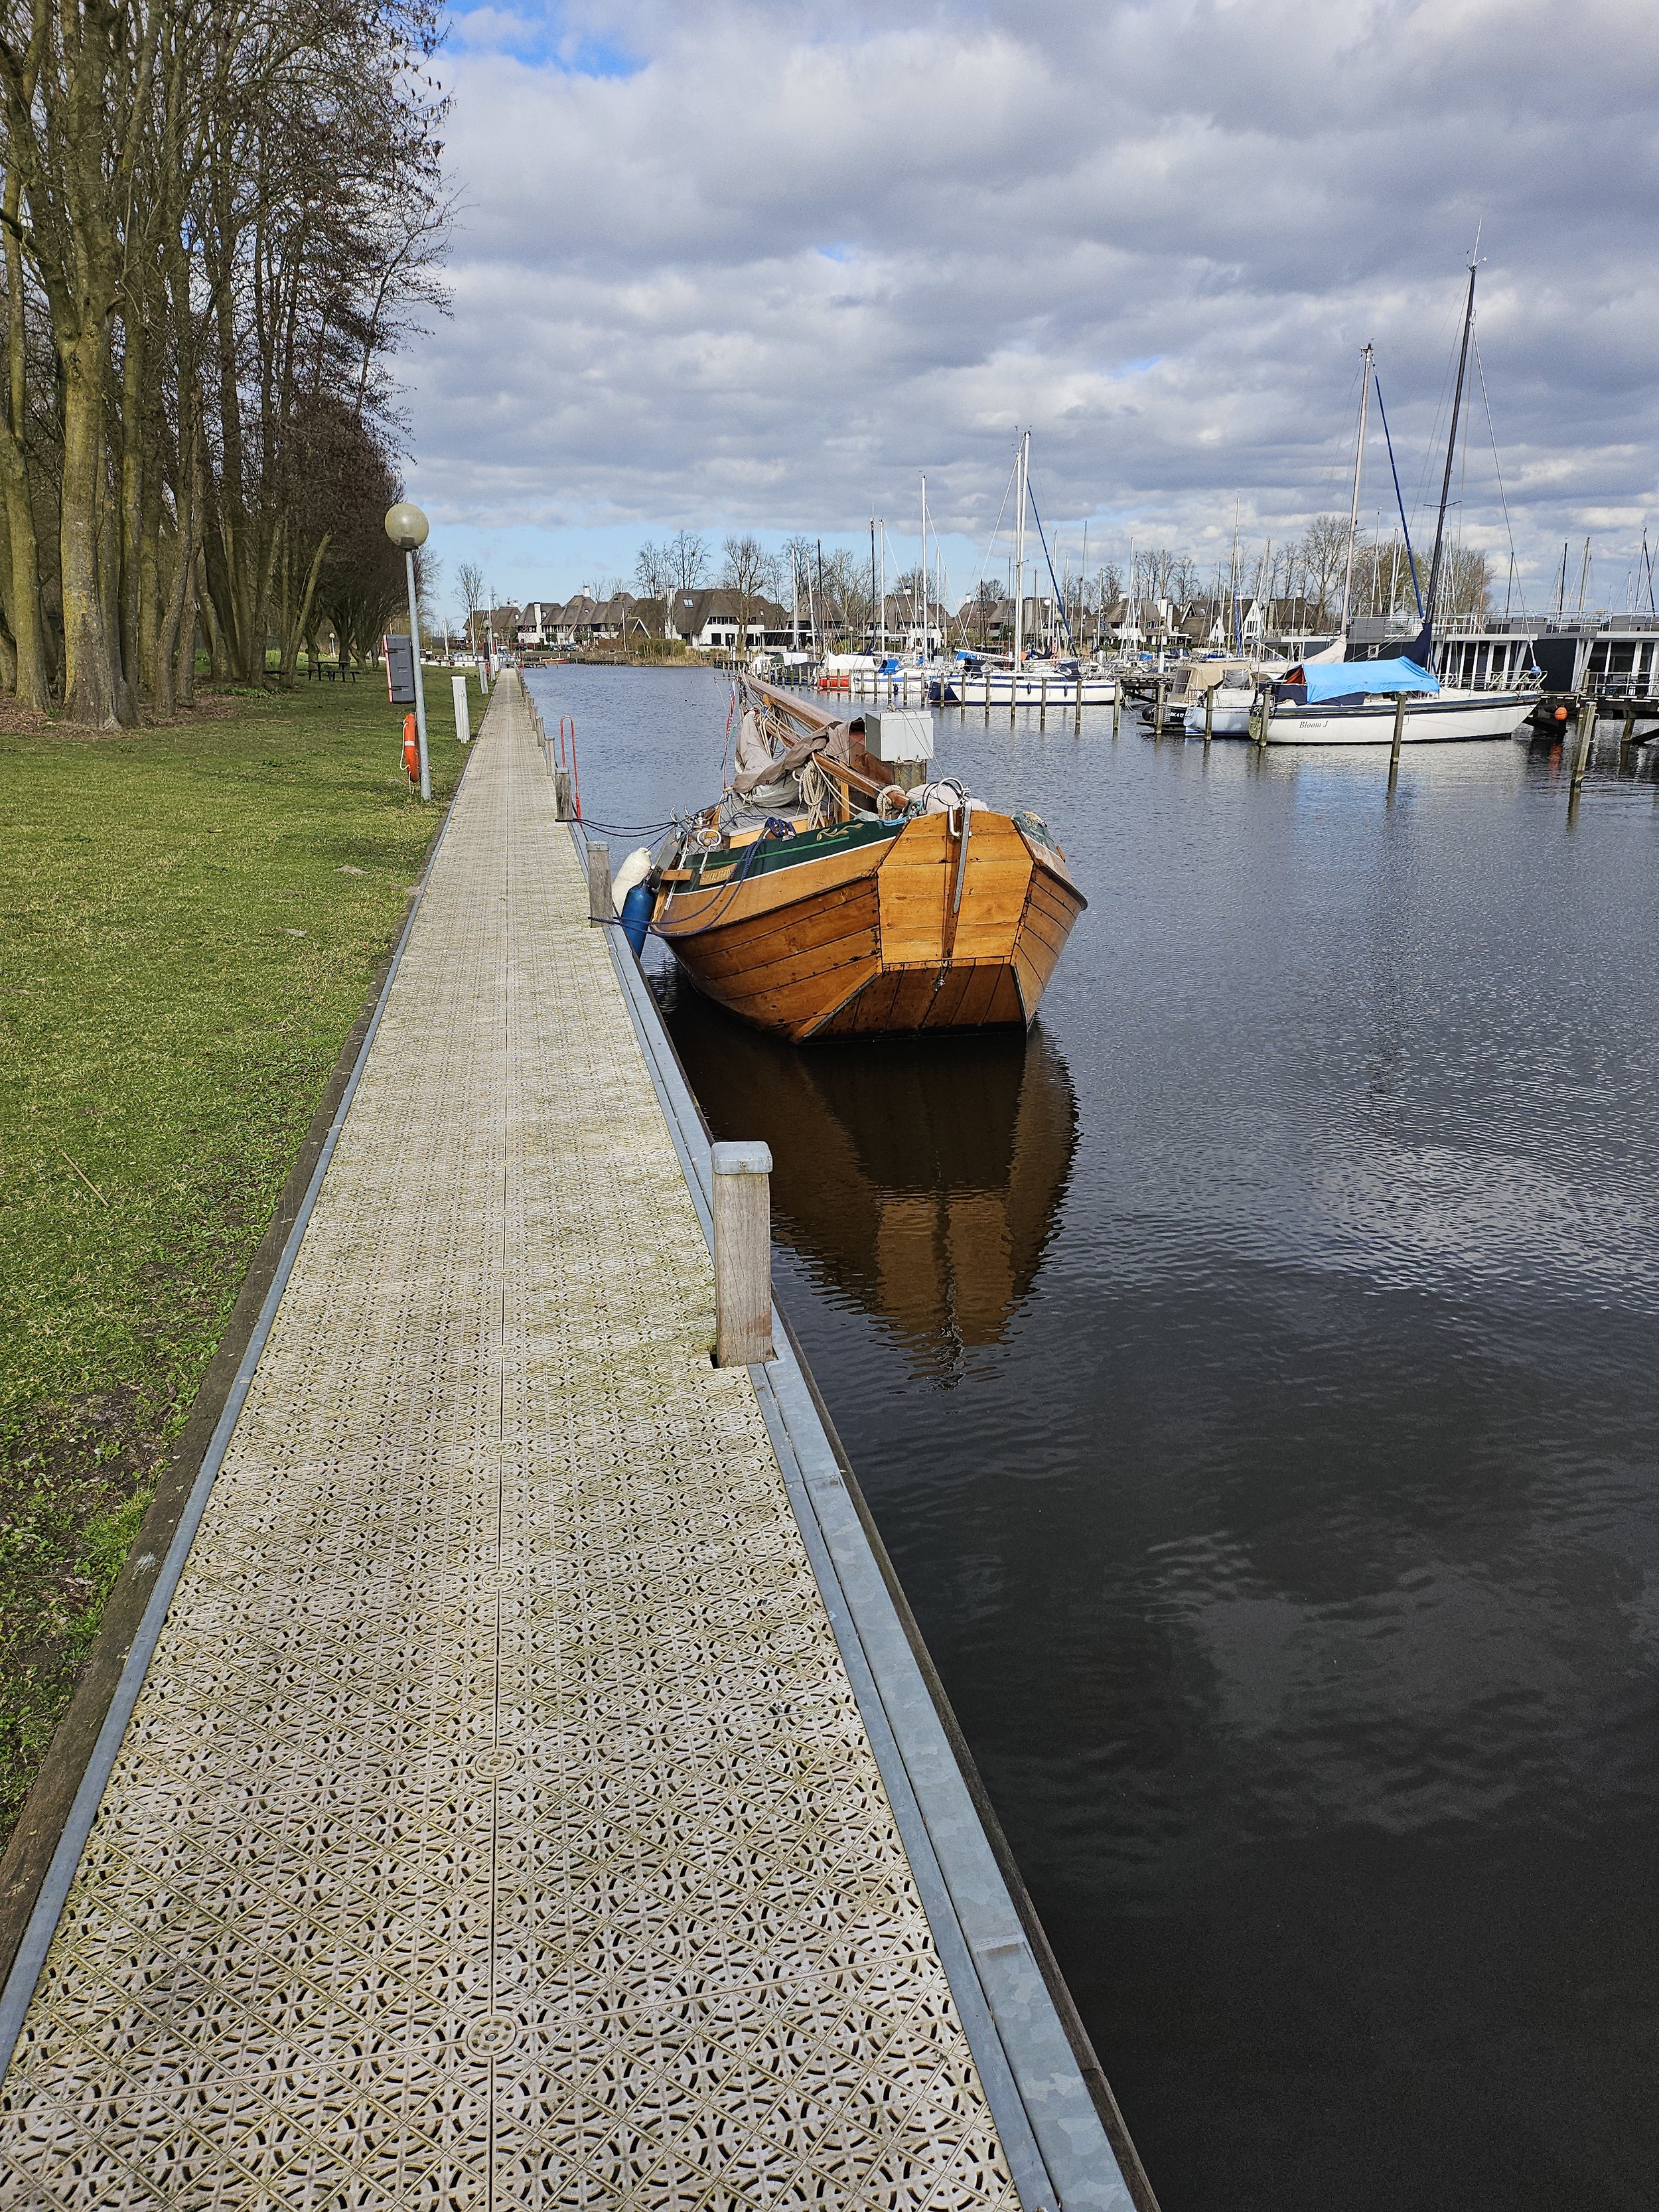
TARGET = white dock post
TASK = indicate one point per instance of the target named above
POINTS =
(743, 1253)
(463, 717)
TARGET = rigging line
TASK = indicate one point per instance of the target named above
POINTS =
(1480, 371)
(996, 526)
(1049, 558)
(1376, 385)
(1433, 445)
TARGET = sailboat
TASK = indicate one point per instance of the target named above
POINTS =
(978, 680)
(821, 897)
(1321, 702)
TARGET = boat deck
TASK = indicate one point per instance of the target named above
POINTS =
(518, 1808)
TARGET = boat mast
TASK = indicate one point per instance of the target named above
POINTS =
(1451, 448)
(1354, 512)
(924, 566)
(1023, 466)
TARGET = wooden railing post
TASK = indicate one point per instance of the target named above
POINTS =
(743, 1253)
(601, 906)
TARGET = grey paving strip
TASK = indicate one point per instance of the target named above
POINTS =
(46, 1844)
(496, 1823)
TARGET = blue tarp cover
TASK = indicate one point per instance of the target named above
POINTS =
(1346, 679)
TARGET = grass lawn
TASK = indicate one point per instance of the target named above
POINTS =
(192, 919)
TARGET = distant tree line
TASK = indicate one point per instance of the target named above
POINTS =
(1299, 584)
(220, 218)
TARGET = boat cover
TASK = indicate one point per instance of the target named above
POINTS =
(1354, 680)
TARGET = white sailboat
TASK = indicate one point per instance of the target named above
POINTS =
(1039, 684)
(975, 681)
(1321, 701)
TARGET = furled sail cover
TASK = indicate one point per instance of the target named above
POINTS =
(1354, 680)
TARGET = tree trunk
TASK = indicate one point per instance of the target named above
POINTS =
(90, 694)
(29, 678)
(131, 491)
(171, 635)
(303, 620)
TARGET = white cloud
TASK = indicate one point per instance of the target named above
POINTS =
(754, 265)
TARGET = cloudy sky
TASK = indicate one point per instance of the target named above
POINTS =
(757, 265)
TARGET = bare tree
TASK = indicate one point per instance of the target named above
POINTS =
(1321, 558)
(847, 591)
(470, 582)
(746, 569)
(688, 560)
(654, 574)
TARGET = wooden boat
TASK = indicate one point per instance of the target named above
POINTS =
(833, 903)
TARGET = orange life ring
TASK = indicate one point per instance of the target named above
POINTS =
(411, 750)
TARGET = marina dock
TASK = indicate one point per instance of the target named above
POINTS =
(526, 1788)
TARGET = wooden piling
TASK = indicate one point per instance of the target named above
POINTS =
(1265, 724)
(1042, 706)
(562, 793)
(1077, 723)
(1209, 715)
(1586, 740)
(1158, 710)
(1399, 737)
(1117, 705)
(601, 906)
(742, 1211)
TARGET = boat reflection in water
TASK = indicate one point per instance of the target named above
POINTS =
(922, 1178)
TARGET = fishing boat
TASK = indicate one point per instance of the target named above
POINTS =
(1325, 701)
(822, 897)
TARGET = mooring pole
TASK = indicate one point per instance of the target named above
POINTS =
(743, 1253)
(1399, 739)
(1209, 715)
(1586, 739)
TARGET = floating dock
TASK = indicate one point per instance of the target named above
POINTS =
(525, 1789)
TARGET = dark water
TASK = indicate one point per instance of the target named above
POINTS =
(1254, 1376)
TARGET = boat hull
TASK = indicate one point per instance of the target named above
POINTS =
(1429, 720)
(1230, 720)
(998, 690)
(864, 933)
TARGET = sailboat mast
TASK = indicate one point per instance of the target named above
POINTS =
(1451, 448)
(1354, 512)
(924, 567)
(1023, 466)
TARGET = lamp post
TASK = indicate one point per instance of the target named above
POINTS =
(406, 526)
